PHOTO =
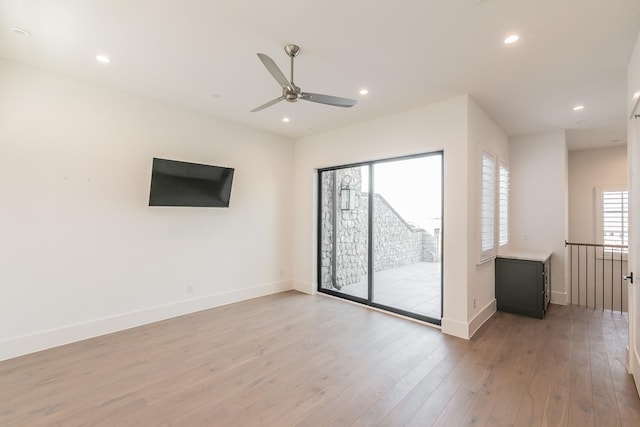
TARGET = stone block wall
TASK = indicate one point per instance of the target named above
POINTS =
(396, 243)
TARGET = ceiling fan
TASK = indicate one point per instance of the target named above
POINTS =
(291, 92)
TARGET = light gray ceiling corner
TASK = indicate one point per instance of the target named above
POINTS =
(202, 55)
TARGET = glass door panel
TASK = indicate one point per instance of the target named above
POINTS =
(344, 231)
(407, 224)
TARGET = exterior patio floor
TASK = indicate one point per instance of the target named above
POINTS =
(415, 288)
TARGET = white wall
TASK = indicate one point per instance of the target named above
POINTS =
(539, 200)
(442, 126)
(484, 134)
(588, 169)
(82, 254)
(633, 146)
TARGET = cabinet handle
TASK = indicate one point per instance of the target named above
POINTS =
(629, 277)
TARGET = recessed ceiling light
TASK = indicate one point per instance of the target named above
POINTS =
(103, 59)
(578, 108)
(286, 119)
(21, 31)
(511, 39)
(363, 91)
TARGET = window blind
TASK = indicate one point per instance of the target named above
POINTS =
(487, 213)
(503, 189)
(615, 218)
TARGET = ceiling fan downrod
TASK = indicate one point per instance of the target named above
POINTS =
(292, 50)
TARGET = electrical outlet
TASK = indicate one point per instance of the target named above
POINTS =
(474, 303)
(190, 289)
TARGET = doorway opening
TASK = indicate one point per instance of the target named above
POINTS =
(380, 234)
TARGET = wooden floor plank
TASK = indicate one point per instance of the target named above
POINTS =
(556, 408)
(581, 396)
(602, 388)
(532, 406)
(292, 359)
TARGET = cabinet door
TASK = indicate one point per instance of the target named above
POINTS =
(519, 287)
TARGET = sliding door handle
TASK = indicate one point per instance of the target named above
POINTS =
(629, 277)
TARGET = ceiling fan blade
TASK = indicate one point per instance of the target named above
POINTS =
(274, 70)
(268, 104)
(327, 99)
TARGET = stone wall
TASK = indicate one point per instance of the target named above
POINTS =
(396, 242)
(326, 238)
(344, 232)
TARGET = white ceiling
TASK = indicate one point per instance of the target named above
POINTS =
(201, 54)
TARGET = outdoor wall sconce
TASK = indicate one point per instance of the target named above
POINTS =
(347, 194)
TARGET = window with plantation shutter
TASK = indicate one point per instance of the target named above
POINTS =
(503, 201)
(488, 204)
(615, 218)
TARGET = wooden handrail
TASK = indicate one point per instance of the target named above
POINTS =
(596, 245)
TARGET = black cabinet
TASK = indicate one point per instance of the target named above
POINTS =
(523, 284)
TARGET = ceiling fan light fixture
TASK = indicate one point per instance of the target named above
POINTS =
(103, 59)
(21, 31)
(512, 39)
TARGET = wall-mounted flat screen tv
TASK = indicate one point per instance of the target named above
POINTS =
(175, 183)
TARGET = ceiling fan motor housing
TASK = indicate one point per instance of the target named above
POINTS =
(291, 94)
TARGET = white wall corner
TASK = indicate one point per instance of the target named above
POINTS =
(559, 298)
(455, 328)
(304, 287)
(633, 366)
(482, 316)
(22, 345)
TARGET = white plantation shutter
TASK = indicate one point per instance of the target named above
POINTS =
(615, 218)
(503, 195)
(488, 203)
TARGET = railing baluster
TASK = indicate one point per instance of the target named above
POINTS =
(571, 273)
(578, 276)
(586, 276)
(603, 280)
(620, 282)
(611, 281)
(575, 280)
(595, 280)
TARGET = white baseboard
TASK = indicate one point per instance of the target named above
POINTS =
(466, 330)
(455, 328)
(19, 346)
(484, 315)
(633, 360)
(304, 287)
(559, 298)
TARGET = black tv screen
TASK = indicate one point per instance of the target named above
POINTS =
(175, 183)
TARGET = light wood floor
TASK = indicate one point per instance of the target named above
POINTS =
(294, 359)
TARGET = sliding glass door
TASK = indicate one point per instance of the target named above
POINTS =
(344, 231)
(380, 234)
